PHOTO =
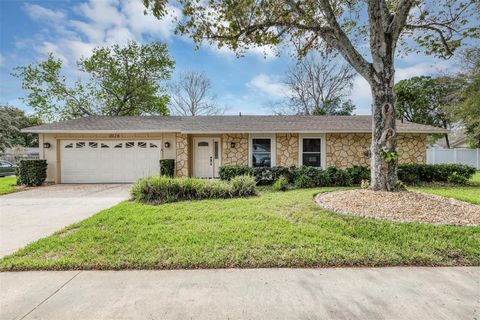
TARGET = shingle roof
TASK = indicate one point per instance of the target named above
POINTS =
(224, 124)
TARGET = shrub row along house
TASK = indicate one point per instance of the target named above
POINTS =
(122, 149)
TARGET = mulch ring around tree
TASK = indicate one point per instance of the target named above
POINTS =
(403, 206)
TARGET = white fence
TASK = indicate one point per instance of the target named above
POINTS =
(461, 156)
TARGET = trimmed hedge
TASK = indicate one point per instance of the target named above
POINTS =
(230, 171)
(418, 173)
(31, 172)
(167, 167)
(308, 177)
(163, 189)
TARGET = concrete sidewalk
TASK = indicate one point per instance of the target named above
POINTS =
(347, 293)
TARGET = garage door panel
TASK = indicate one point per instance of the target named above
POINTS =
(100, 161)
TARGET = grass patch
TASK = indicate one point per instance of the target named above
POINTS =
(275, 229)
(469, 193)
(7, 184)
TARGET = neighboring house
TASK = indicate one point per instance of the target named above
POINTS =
(123, 149)
(461, 142)
(18, 153)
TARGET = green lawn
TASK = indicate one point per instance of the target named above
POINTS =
(7, 184)
(274, 229)
(470, 194)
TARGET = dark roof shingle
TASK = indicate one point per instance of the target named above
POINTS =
(225, 124)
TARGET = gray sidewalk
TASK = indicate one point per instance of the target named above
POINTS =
(346, 293)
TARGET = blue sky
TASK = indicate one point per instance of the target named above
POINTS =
(29, 30)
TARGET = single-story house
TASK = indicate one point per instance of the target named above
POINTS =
(102, 149)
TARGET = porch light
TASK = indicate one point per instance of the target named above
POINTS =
(232, 145)
(167, 144)
(47, 145)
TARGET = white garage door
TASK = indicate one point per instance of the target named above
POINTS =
(108, 161)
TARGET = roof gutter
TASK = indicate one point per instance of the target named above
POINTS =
(439, 130)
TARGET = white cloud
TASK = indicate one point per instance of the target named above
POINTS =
(141, 23)
(41, 13)
(269, 86)
(102, 13)
(2, 60)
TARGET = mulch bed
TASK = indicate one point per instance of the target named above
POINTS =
(400, 206)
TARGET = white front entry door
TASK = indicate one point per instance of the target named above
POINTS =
(206, 157)
(108, 161)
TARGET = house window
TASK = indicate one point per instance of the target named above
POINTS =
(261, 152)
(216, 149)
(153, 145)
(142, 144)
(93, 144)
(203, 144)
(311, 152)
(129, 144)
(118, 145)
(104, 146)
(80, 144)
(69, 146)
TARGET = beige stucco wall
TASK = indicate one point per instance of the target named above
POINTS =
(287, 149)
(182, 156)
(237, 155)
(345, 150)
(52, 154)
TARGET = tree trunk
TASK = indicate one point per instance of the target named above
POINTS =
(384, 160)
(447, 141)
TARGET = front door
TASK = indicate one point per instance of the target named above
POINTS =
(206, 157)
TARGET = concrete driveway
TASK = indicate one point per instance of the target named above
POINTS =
(342, 293)
(36, 213)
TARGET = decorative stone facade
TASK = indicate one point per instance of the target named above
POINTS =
(237, 155)
(351, 149)
(347, 150)
(287, 149)
(412, 148)
(182, 155)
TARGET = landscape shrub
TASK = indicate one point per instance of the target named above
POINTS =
(358, 174)
(281, 184)
(338, 177)
(418, 173)
(163, 189)
(31, 172)
(167, 167)
(457, 179)
(266, 176)
(309, 177)
(243, 186)
(227, 172)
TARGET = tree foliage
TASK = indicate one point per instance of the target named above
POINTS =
(115, 81)
(425, 100)
(467, 110)
(12, 120)
(437, 27)
(191, 95)
(319, 85)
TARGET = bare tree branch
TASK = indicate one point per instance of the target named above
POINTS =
(191, 95)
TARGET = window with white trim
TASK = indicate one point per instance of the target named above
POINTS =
(312, 152)
(261, 152)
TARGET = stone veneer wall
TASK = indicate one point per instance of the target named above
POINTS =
(348, 149)
(412, 148)
(237, 155)
(287, 149)
(182, 155)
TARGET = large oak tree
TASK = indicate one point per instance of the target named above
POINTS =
(437, 27)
